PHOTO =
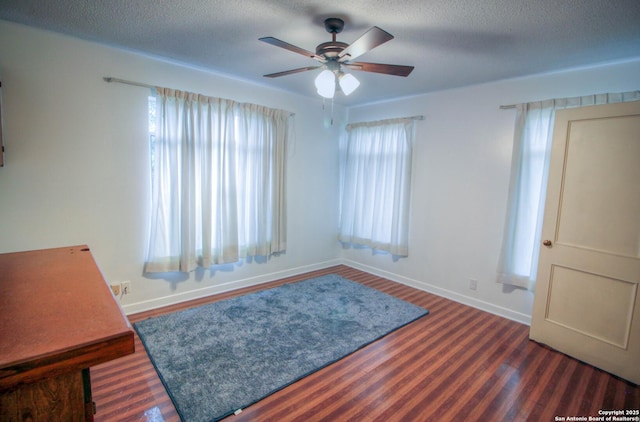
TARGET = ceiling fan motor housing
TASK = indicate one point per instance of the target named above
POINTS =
(330, 49)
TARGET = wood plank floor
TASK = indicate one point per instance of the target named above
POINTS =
(458, 363)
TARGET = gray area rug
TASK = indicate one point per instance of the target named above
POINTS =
(224, 356)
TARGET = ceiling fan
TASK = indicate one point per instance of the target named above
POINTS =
(334, 55)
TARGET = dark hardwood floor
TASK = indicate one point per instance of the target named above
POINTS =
(456, 364)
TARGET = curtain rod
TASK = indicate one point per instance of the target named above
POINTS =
(417, 117)
(630, 94)
(110, 79)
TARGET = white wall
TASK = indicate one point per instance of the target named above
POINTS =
(461, 167)
(77, 162)
(77, 169)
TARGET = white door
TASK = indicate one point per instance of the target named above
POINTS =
(586, 302)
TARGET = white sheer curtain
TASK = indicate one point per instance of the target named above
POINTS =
(518, 260)
(218, 192)
(376, 185)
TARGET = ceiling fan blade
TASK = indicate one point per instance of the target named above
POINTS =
(367, 41)
(290, 72)
(387, 69)
(291, 47)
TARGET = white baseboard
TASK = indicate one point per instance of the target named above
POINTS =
(148, 305)
(457, 297)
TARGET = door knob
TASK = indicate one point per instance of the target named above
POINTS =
(546, 242)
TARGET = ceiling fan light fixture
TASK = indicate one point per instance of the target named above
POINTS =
(326, 83)
(348, 83)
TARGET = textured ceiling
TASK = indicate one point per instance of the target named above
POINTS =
(451, 43)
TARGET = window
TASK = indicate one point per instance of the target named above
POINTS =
(530, 162)
(152, 129)
(375, 185)
(518, 262)
(218, 181)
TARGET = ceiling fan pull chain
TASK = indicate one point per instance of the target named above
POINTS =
(331, 111)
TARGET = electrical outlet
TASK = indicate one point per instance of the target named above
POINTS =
(116, 288)
(473, 284)
(126, 287)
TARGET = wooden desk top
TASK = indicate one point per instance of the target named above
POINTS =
(57, 314)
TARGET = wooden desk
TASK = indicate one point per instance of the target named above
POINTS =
(58, 317)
